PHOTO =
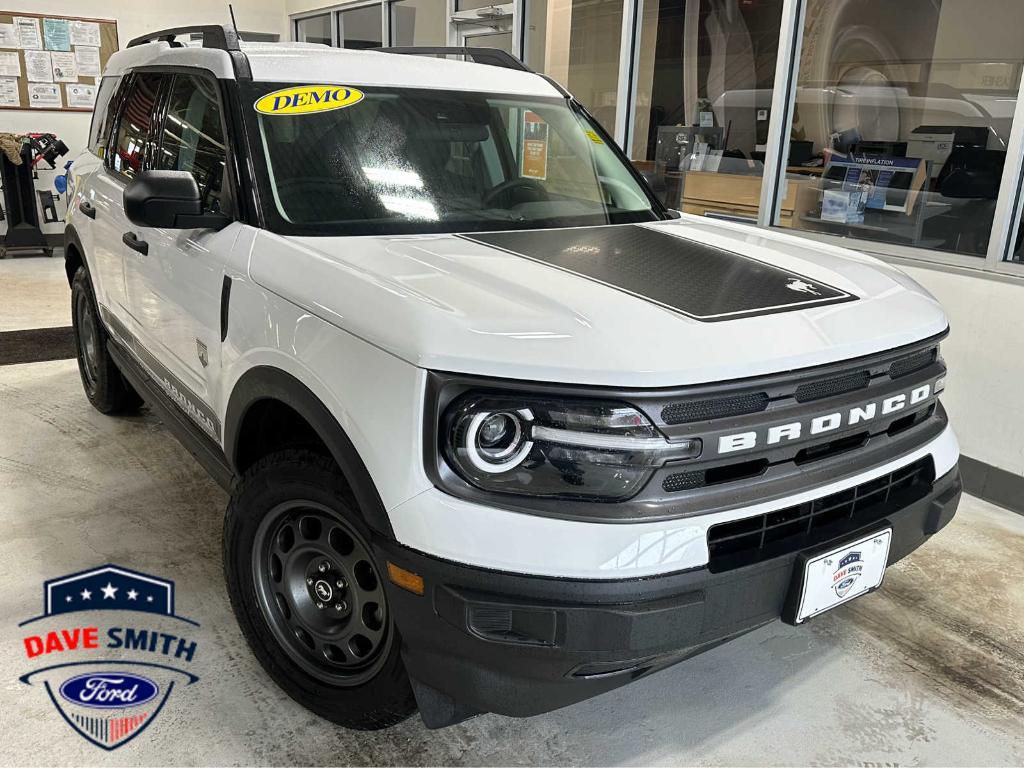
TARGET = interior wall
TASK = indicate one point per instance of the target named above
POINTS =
(134, 18)
(301, 6)
(986, 367)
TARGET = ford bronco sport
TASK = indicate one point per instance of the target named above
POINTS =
(500, 431)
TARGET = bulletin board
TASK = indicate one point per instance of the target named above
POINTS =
(57, 66)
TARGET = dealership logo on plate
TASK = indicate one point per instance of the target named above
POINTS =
(847, 574)
(109, 701)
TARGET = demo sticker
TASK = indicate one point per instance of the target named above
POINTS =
(303, 99)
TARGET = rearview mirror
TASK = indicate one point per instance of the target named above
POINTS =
(168, 200)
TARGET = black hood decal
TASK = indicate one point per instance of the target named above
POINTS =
(700, 281)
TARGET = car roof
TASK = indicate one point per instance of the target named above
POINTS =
(314, 63)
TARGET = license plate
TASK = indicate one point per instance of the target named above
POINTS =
(839, 576)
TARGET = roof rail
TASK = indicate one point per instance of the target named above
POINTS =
(214, 36)
(492, 56)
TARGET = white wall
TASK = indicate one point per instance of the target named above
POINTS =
(301, 6)
(134, 18)
(985, 354)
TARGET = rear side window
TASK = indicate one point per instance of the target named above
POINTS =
(193, 136)
(103, 115)
(135, 127)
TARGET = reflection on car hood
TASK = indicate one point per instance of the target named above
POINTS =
(669, 303)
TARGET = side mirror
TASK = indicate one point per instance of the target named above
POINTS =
(168, 200)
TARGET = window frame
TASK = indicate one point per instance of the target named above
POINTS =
(328, 12)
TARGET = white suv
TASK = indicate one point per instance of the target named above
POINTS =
(500, 431)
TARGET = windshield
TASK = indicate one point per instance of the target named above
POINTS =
(409, 161)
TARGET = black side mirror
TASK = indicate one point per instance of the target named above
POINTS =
(168, 200)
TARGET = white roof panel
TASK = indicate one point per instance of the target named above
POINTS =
(303, 63)
(312, 63)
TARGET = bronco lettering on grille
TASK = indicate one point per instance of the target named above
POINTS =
(794, 430)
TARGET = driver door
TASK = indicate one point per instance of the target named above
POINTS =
(174, 290)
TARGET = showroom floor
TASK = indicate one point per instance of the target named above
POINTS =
(929, 670)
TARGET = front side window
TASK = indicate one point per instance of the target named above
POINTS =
(407, 161)
(135, 128)
(193, 136)
(103, 115)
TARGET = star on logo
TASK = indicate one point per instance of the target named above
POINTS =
(67, 599)
(86, 594)
(109, 591)
(132, 594)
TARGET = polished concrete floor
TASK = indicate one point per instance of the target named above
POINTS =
(34, 293)
(929, 670)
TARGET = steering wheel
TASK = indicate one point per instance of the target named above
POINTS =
(507, 186)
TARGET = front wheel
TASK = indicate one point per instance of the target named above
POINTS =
(102, 381)
(308, 592)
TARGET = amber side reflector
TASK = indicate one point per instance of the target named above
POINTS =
(407, 580)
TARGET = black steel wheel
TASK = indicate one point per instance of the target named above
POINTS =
(88, 339)
(306, 587)
(102, 381)
(320, 592)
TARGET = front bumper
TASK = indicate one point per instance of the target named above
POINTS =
(487, 641)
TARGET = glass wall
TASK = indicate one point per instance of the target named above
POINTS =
(907, 109)
(705, 74)
(360, 27)
(902, 111)
(419, 22)
(314, 29)
(577, 42)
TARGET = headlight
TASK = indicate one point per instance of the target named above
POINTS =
(572, 449)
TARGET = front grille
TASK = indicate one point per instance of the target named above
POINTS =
(714, 408)
(698, 478)
(840, 385)
(788, 530)
(914, 362)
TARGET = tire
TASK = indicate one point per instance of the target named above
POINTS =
(106, 388)
(291, 528)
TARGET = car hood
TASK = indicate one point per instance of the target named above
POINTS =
(679, 302)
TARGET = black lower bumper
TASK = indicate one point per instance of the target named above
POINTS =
(485, 641)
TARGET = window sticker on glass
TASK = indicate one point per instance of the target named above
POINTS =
(303, 99)
(535, 146)
(592, 135)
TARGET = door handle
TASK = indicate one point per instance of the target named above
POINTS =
(87, 208)
(132, 241)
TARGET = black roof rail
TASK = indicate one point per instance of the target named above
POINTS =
(493, 56)
(214, 36)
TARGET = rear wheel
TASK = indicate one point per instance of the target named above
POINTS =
(102, 381)
(308, 592)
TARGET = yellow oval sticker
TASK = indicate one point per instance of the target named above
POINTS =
(303, 99)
